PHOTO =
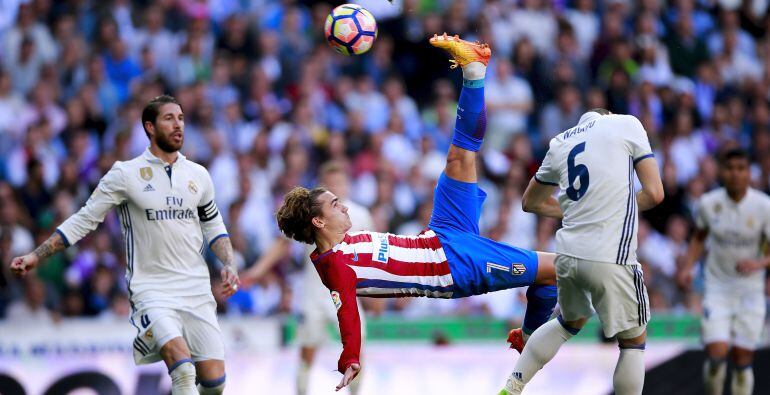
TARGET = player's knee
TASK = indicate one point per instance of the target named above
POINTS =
(633, 338)
(742, 356)
(212, 387)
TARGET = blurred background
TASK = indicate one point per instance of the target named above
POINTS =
(266, 101)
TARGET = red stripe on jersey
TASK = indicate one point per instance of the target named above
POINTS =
(431, 242)
(364, 237)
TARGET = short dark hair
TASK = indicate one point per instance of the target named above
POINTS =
(152, 109)
(299, 207)
(733, 153)
(601, 111)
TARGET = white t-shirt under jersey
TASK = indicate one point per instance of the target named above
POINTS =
(593, 164)
(168, 217)
(736, 231)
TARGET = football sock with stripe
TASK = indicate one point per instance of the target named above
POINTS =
(629, 371)
(303, 376)
(714, 372)
(742, 382)
(541, 300)
(183, 378)
(541, 348)
(471, 122)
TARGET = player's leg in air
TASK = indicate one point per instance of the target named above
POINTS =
(482, 265)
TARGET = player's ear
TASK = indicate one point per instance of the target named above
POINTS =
(317, 222)
(149, 129)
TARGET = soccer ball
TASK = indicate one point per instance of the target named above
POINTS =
(350, 29)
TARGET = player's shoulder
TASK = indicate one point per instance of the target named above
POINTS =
(713, 196)
(621, 118)
(196, 167)
(759, 197)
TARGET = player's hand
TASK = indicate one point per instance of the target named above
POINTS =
(230, 281)
(684, 279)
(21, 265)
(350, 373)
(748, 266)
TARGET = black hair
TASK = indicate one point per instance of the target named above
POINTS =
(601, 111)
(733, 153)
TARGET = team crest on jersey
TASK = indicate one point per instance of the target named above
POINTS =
(192, 187)
(518, 269)
(750, 222)
(145, 173)
(336, 299)
(148, 334)
(717, 208)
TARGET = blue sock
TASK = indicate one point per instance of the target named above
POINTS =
(471, 123)
(541, 300)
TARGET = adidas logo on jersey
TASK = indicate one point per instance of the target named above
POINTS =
(149, 188)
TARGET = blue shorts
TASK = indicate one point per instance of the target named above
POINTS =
(478, 264)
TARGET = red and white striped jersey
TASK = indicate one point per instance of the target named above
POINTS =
(380, 265)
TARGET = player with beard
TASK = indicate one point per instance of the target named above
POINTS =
(168, 216)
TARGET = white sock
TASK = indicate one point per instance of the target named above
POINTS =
(525, 336)
(474, 71)
(714, 376)
(742, 382)
(629, 372)
(541, 348)
(216, 390)
(183, 378)
(303, 377)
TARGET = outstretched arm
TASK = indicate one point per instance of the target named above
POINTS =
(23, 264)
(267, 261)
(538, 199)
(223, 249)
(341, 280)
(109, 193)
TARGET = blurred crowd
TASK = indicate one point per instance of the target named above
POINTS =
(266, 101)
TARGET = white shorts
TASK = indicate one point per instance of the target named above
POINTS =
(158, 325)
(616, 292)
(733, 316)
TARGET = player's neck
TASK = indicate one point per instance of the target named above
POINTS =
(737, 196)
(168, 157)
(325, 242)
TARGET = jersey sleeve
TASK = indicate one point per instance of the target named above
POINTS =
(637, 140)
(341, 281)
(212, 225)
(547, 173)
(110, 192)
(701, 217)
(766, 226)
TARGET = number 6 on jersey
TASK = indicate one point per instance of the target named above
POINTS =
(576, 171)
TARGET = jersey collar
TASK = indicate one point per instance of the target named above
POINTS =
(154, 159)
(589, 116)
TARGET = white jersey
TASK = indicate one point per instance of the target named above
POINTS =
(167, 214)
(593, 164)
(736, 231)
